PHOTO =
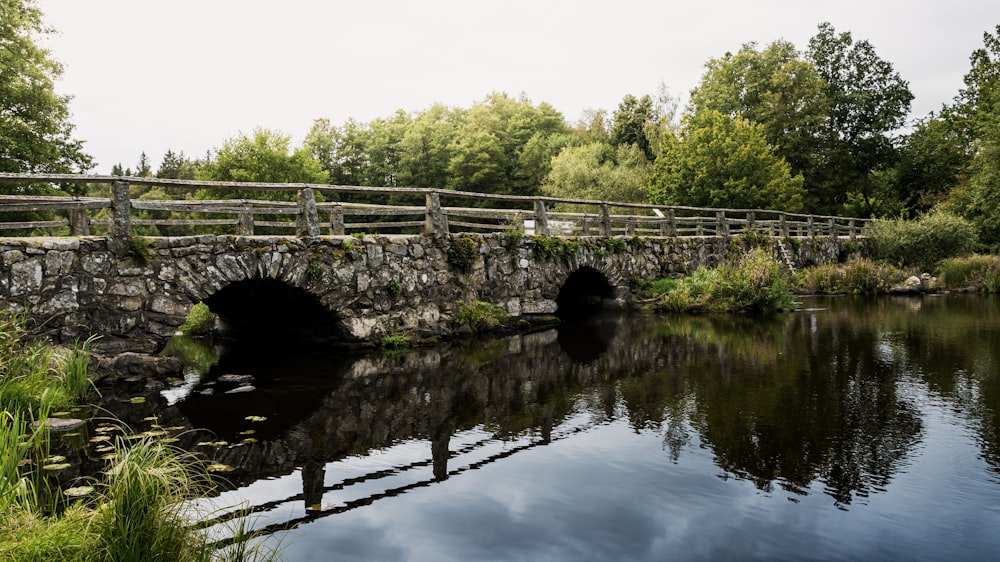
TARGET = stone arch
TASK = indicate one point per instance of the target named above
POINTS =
(585, 291)
(271, 309)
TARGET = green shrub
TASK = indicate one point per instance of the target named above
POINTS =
(755, 239)
(923, 242)
(480, 314)
(614, 245)
(314, 271)
(980, 271)
(462, 254)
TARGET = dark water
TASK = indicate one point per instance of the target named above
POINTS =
(853, 430)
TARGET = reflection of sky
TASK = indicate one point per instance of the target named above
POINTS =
(612, 494)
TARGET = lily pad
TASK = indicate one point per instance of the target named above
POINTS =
(137, 400)
(219, 467)
(100, 438)
(213, 443)
(256, 418)
(55, 459)
(314, 507)
(78, 491)
(56, 466)
(248, 432)
(104, 449)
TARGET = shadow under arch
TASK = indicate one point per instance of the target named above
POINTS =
(273, 311)
(585, 292)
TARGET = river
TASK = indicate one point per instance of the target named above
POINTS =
(852, 429)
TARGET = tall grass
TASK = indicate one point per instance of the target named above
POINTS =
(757, 282)
(135, 514)
(981, 272)
(858, 276)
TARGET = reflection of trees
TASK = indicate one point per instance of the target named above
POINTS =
(786, 400)
(953, 345)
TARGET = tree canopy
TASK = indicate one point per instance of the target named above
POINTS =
(720, 161)
(36, 134)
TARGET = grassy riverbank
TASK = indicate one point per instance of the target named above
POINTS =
(758, 282)
(134, 512)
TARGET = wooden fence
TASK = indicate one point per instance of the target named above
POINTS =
(319, 208)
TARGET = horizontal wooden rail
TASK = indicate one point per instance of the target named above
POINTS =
(317, 208)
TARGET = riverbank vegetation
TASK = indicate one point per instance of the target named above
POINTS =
(135, 512)
(756, 282)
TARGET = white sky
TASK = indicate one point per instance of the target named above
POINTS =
(188, 74)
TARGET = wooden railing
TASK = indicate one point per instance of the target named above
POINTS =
(319, 208)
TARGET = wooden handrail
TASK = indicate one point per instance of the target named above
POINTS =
(305, 214)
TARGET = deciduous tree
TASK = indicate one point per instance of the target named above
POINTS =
(720, 161)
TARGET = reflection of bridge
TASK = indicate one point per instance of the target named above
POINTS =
(136, 291)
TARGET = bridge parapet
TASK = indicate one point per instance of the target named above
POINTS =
(368, 287)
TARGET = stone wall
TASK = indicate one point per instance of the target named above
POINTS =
(75, 287)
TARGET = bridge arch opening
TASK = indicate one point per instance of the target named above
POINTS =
(584, 293)
(273, 311)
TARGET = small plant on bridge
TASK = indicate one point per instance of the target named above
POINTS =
(394, 288)
(756, 283)
(314, 270)
(614, 245)
(550, 247)
(480, 314)
(753, 238)
(462, 253)
(138, 248)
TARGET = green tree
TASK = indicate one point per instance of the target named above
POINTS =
(776, 88)
(35, 131)
(720, 161)
(599, 171)
(630, 124)
(868, 102)
(425, 148)
(490, 140)
(263, 156)
(177, 166)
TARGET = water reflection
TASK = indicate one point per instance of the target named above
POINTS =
(828, 400)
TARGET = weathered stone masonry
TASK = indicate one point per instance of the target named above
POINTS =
(378, 285)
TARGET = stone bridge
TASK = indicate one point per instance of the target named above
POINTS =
(342, 288)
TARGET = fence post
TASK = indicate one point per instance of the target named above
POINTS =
(721, 224)
(435, 221)
(630, 227)
(337, 221)
(782, 225)
(586, 225)
(78, 223)
(307, 223)
(699, 229)
(541, 218)
(852, 228)
(810, 227)
(245, 225)
(120, 225)
(606, 220)
(671, 223)
(751, 219)
(833, 228)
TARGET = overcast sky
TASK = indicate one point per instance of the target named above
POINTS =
(187, 74)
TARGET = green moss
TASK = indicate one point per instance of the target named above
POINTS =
(394, 341)
(199, 318)
(614, 245)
